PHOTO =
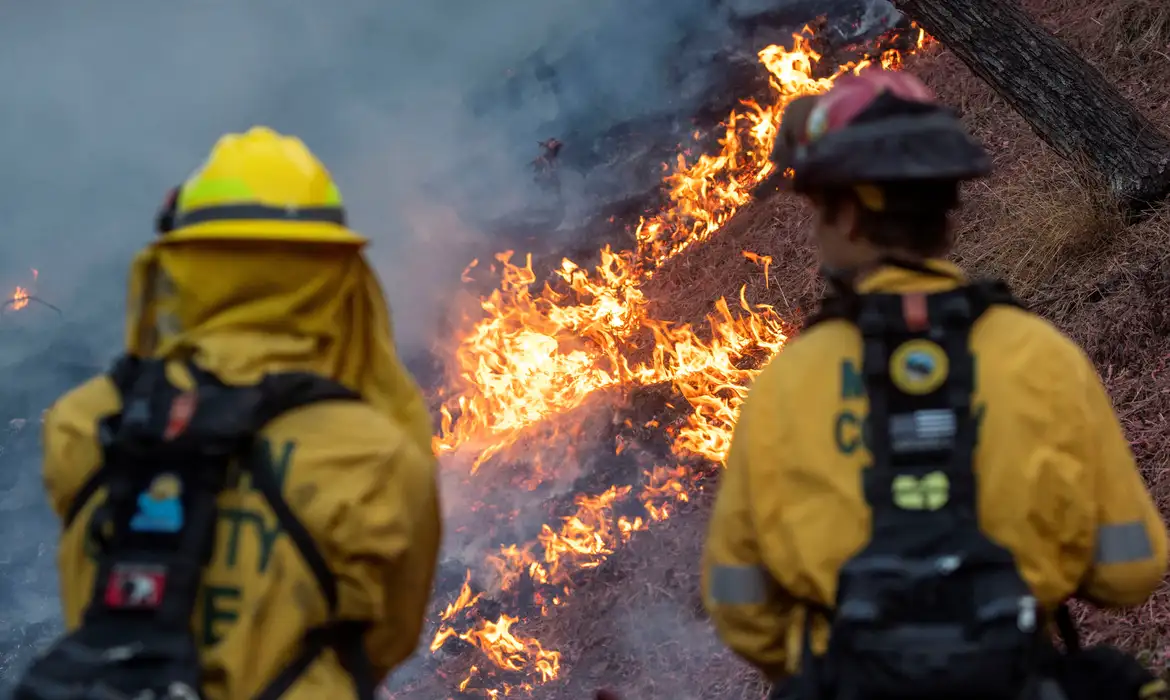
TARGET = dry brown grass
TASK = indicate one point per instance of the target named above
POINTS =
(636, 623)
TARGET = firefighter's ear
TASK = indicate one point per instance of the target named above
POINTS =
(849, 219)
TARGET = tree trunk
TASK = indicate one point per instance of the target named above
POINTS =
(1067, 102)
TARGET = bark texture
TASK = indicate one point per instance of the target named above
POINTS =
(1067, 102)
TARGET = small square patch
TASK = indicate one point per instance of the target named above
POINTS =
(136, 586)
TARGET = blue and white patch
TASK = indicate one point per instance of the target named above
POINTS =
(160, 507)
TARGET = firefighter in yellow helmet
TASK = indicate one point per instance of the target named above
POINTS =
(920, 480)
(261, 370)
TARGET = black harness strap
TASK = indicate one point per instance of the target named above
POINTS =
(122, 375)
(843, 303)
(346, 639)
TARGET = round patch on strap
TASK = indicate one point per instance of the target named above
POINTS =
(918, 367)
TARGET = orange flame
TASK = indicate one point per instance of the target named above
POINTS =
(764, 261)
(19, 299)
(21, 295)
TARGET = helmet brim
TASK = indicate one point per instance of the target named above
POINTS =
(266, 230)
(897, 149)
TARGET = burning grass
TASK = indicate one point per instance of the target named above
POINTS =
(594, 595)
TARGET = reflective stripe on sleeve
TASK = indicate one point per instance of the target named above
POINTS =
(738, 585)
(1123, 543)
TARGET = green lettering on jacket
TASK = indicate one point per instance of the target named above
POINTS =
(221, 609)
(852, 385)
(278, 464)
(256, 523)
(221, 603)
(848, 432)
(239, 522)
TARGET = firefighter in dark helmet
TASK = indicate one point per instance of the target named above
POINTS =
(920, 481)
(253, 315)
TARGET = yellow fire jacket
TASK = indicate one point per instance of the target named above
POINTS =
(1058, 486)
(360, 476)
(363, 490)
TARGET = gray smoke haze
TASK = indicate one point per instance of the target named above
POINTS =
(108, 104)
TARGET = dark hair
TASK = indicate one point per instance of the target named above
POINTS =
(914, 216)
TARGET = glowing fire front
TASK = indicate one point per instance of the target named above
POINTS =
(538, 353)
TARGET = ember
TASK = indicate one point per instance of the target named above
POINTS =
(21, 296)
(19, 299)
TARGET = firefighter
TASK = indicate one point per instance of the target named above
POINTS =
(255, 275)
(920, 481)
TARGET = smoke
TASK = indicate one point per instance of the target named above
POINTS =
(108, 104)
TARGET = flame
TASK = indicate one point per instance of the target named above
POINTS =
(21, 295)
(19, 299)
(505, 650)
(541, 350)
(764, 261)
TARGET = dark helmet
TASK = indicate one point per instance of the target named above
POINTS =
(876, 128)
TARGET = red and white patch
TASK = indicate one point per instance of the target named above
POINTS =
(182, 410)
(136, 586)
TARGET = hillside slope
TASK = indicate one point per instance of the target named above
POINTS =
(635, 623)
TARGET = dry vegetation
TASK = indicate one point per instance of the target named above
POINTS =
(1040, 222)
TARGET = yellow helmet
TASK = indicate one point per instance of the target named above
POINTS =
(261, 185)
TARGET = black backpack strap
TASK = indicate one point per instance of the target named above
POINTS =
(1067, 628)
(347, 641)
(981, 294)
(985, 293)
(121, 374)
(835, 307)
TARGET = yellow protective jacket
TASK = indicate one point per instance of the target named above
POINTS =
(360, 476)
(1058, 486)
